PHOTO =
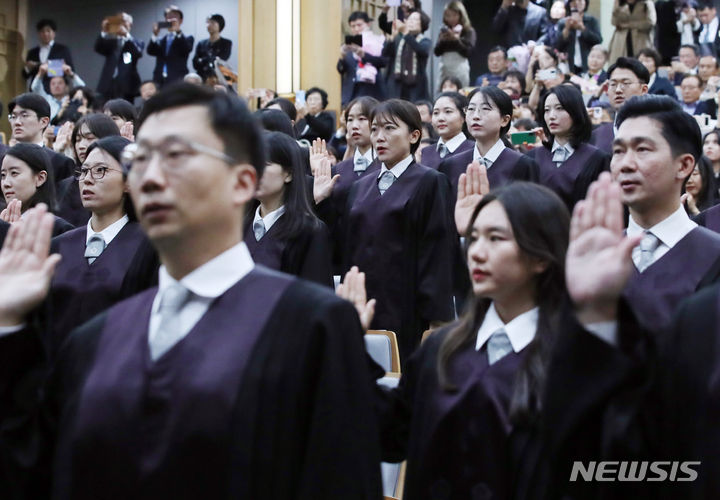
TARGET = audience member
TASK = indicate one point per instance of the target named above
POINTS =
(497, 63)
(691, 89)
(519, 21)
(711, 150)
(59, 87)
(406, 8)
(676, 25)
(408, 55)
(513, 83)
(119, 77)
(208, 50)
(689, 58)
(707, 39)
(172, 50)
(313, 122)
(557, 13)
(634, 22)
(700, 189)
(425, 108)
(48, 50)
(81, 102)
(360, 64)
(455, 43)
(658, 85)
(580, 32)
(451, 84)
(148, 88)
(708, 73)
(284, 105)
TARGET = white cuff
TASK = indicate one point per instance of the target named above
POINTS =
(7, 330)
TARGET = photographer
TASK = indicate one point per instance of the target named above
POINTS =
(59, 86)
(119, 77)
(172, 50)
(211, 48)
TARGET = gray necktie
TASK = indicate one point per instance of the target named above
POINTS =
(442, 150)
(169, 331)
(648, 245)
(498, 345)
(386, 180)
(259, 229)
(94, 247)
(361, 164)
(486, 161)
(560, 155)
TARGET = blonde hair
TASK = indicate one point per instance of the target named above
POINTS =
(458, 7)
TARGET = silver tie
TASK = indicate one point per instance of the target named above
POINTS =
(498, 345)
(95, 246)
(386, 180)
(487, 162)
(169, 331)
(648, 245)
(259, 229)
(361, 164)
(560, 155)
(442, 150)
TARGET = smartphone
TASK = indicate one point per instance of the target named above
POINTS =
(300, 98)
(164, 24)
(353, 40)
(597, 113)
(520, 138)
(547, 73)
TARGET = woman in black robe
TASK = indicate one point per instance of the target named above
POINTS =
(281, 230)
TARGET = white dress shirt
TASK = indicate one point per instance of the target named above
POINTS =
(453, 143)
(521, 330)
(709, 30)
(687, 30)
(492, 154)
(398, 169)
(270, 218)
(206, 283)
(45, 51)
(669, 231)
(369, 156)
(55, 104)
(109, 232)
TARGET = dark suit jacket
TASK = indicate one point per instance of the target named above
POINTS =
(707, 107)
(710, 48)
(58, 51)
(126, 83)
(63, 167)
(175, 59)
(322, 126)
(418, 91)
(663, 86)
(588, 38)
(206, 52)
(516, 26)
(347, 66)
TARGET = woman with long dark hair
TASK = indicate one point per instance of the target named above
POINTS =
(475, 381)
(568, 162)
(108, 259)
(27, 180)
(448, 120)
(700, 188)
(281, 230)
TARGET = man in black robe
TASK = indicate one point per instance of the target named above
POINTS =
(227, 381)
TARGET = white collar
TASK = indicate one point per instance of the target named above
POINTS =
(270, 218)
(369, 155)
(653, 77)
(491, 155)
(398, 169)
(568, 147)
(521, 330)
(453, 143)
(48, 46)
(669, 231)
(712, 27)
(216, 276)
(109, 232)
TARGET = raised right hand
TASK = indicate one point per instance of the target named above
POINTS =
(323, 181)
(472, 186)
(353, 290)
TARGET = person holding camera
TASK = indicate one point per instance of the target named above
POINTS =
(579, 33)
(59, 86)
(208, 50)
(172, 50)
(119, 77)
(455, 43)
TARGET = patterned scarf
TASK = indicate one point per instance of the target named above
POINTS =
(405, 69)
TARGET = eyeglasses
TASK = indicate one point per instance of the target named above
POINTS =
(480, 111)
(97, 172)
(174, 153)
(24, 116)
(624, 84)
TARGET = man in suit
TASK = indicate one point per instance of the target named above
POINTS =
(519, 21)
(172, 50)
(29, 116)
(119, 77)
(228, 380)
(47, 50)
(691, 90)
(211, 48)
(578, 31)
(356, 81)
(707, 39)
(658, 85)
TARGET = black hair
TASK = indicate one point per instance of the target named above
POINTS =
(705, 4)
(173, 8)
(46, 22)
(218, 19)
(526, 124)
(88, 93)
(572, 101)
(157, 87)
(114, 146)
(679, 128)
(323, 95)
(424, 19)
(452, 79)
(498, 48)
(358, 14)
(100, 126)
(399, 109)
(430, 131)
(633, 65)
(121, 108)
(229, 118)
(426, 103)
(36, 158)
(518, 75)
(274, 120)
(286, 105)
(286, 152)
(568, 9)
(461, 103)
(549, 51)
(32, 102)
(367, 104)
(708, 195)
(501, 100)
(691, 46)
(696, 77)
(652, 54)
(528, 207)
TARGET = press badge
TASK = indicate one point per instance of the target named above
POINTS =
(127, 57)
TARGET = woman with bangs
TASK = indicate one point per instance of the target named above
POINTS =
(568, 162)
(488, 117)
(397, 227)
(448, 120)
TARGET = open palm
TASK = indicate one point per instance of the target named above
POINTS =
(472, 186)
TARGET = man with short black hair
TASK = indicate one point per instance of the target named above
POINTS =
(59, 86)
(48, 50)
(228, 380)
(497, 63)
(172, 50)
(707, 38)
(29, 115)
(208, 50)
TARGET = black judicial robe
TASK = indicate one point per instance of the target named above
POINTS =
(510, 166)
(572, 179)
(307, 256)
(79, 290)
(70, 205)
(403, 241)
(456, 443)
(269, 396)
(431, 158)
(693, 263)
(603, 136)
(61, 226)
(709, 218)
(651, 398)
